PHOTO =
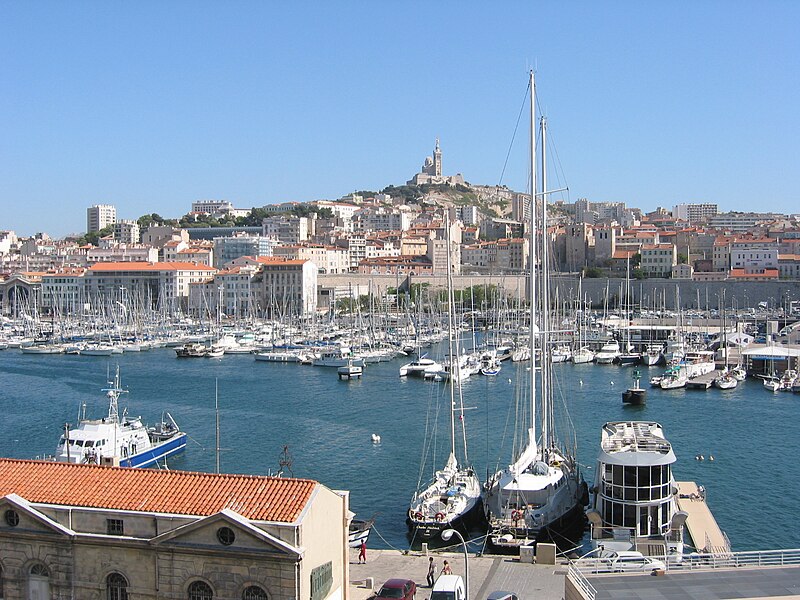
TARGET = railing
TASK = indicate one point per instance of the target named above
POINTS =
(579, 580)
(727, 560)
(696, 561)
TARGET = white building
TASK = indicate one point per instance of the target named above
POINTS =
(122, 253)
(330, 260)
(287, 288)
(126, 232)
(100, 216)
(287, 229)
(754, 255)
(154, 283)
(694, 213)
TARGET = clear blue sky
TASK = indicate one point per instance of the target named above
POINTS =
(151, 105)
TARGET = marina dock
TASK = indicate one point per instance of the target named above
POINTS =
(701, 524)
(703, 382)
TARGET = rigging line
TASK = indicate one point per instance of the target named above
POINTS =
(375, 529)
(514, 135)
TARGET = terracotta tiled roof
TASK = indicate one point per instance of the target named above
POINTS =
(179, 492)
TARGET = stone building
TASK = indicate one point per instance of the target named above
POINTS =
(104, 533)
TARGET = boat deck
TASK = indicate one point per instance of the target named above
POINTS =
(701, 524)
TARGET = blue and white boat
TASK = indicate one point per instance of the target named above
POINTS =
(120, 440)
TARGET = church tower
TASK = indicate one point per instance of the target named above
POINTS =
(437, 160)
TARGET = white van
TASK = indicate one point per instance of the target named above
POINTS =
(448, 587)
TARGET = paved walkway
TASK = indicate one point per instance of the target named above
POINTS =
(703, 528)
(486, 574)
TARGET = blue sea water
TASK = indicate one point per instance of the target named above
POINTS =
(327, 425)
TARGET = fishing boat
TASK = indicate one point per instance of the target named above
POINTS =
(633, 498)
(120, 440)
(540, 495)
(453, 497)
(358, 531)
(192, 350)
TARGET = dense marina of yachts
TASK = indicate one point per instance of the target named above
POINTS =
(698, 348)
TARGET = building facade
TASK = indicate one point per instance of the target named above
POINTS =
(100, 216)
(103, 533)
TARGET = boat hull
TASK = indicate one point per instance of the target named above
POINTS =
(158, 452)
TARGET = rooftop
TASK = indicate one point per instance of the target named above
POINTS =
(178, 492)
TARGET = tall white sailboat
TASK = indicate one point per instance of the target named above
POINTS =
(538, 496)
(453, 496)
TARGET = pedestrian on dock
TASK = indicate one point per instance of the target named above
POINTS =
(431, 572)
(446, 570)
(362, 552)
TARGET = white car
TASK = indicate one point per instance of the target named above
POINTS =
(630, 562)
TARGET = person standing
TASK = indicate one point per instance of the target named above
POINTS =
(362, 552)
(431, 572)
(446, 570)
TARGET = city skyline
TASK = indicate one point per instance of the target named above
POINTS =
(150, 107)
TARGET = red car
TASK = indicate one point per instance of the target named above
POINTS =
(398, 589)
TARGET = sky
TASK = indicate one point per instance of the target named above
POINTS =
(151, 105)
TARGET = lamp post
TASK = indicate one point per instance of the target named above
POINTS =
(446, 535)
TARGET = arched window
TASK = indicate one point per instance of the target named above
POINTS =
(200, 590)
(40, 570)
(254, 592)
(116, 587)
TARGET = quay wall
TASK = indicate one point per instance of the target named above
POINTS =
(653, 293)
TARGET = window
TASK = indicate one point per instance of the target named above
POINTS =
(254, 592)
(12, 518)
(40, 570)
(115, 527)
(200, 590)
(116, 587)
(225, 536)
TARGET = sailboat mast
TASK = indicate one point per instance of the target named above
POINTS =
(545, 301)
(455, 366)
(532, 267)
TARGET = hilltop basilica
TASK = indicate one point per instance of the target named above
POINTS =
(432, 171)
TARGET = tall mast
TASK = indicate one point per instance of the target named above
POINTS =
(532, 267)
(455, 367)
(545, 301)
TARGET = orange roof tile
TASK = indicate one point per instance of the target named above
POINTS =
(280, 499)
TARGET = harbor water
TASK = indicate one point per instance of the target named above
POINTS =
(327, 425)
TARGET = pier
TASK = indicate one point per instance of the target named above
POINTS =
(701, 524)
(703, 382)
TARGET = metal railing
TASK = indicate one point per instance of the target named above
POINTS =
(697, 561)
(579, 580)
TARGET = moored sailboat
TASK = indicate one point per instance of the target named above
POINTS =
(538, 496)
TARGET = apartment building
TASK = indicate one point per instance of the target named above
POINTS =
(287, 287)
(100, 216)
(229, 248)
(658, 259)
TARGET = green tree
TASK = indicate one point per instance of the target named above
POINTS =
(93, 237)
(592, 272)
(639, 274)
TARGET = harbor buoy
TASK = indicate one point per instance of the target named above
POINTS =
(612, 383)
(376, 439)
(509, 380)
(711, 457)
(699, 457)
(580, 381)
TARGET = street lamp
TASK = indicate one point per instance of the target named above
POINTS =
(446, 535)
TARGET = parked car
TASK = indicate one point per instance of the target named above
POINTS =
(631, 562)
(448, 587)
(502, 596)
(398, 589)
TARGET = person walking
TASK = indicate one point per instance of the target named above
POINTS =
(362, 552)
(431, 572)
(446, 570)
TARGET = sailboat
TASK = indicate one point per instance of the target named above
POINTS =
(628, 356)
(538, 496)
(453, 497)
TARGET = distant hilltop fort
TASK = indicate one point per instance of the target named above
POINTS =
(432, 171)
